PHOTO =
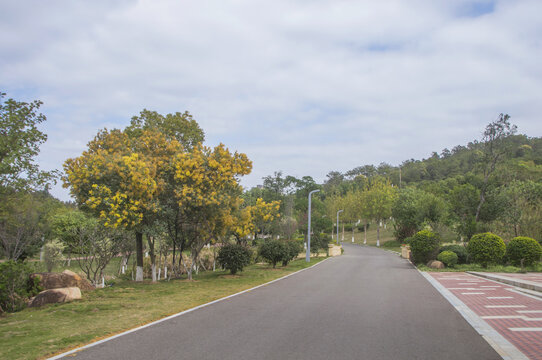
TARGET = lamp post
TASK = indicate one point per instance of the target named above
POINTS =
(340, 211)
(308, 255)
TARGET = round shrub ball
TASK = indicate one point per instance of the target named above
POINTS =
(459, 250)
(273, 251)
(523, 248)
(449, 258)
(424, 246)
(234, 257)
(486, 248)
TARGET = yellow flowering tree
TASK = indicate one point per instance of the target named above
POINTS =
(263, 213)
(119, 179)
(207, 190)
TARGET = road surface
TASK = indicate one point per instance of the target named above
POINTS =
(366, 304)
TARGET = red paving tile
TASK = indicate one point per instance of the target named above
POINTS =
(520, 319)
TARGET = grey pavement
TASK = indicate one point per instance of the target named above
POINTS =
(366, 304)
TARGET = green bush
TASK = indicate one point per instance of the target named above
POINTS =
(319, 242)
(348, 227)
(234, 257)
(523, 248)
(273, 251)
(16, 287)
(424, 246)
(486, 248)
(52, 253)
(449, 258)
(293, 248)
(361, 227)
(459, 250)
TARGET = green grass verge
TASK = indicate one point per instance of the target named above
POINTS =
(39, 332)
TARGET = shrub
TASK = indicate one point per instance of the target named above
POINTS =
(319, 242)
(348, 227)
(424, 246)
(234, 257)
(486, 248)
(449, 258)
(52, 253)
(459, 250)
(361, 227)
(16, 287)
(273, 251)
(293, 248)
(523, 248)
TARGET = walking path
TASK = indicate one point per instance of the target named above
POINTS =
(516, 316)
(529, 281)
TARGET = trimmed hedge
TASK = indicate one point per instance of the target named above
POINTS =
(449, 258)
(424, 246)
(523, 248)
(486, 248)
(459, 250)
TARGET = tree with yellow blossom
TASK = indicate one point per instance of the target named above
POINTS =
(120, 177)
(207, 190)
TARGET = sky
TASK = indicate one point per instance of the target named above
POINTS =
(305, 87)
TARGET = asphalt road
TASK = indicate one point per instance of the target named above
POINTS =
(366, 304)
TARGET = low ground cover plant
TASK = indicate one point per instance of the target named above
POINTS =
(486, 248)
(523, 251)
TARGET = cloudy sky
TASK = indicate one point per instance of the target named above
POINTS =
(304, 86)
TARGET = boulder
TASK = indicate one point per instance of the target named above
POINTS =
(64, 279)
(435, 264)
(54, 296)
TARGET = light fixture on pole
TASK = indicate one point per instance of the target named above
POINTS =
(308, 255)
(340, 211)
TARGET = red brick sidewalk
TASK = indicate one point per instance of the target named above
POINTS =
(516, 316)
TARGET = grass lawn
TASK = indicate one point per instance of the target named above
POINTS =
(37, 333)
(385, 236)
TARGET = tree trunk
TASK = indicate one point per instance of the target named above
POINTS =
(365, 233)
(150, 241)
(352, 232)
(139, 256)
(378, 235)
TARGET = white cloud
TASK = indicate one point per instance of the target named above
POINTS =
(300, 86)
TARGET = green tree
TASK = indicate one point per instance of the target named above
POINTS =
(19, 144)
(120, 178)
(379, 198)
(494, 148)
(179, 126)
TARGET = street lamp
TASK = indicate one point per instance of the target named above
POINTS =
(340, 211)
(308, 256)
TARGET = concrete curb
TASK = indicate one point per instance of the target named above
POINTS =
(502, 346)
(526, 284)
(59, 356)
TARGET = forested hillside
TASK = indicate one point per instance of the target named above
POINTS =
(491, 184)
